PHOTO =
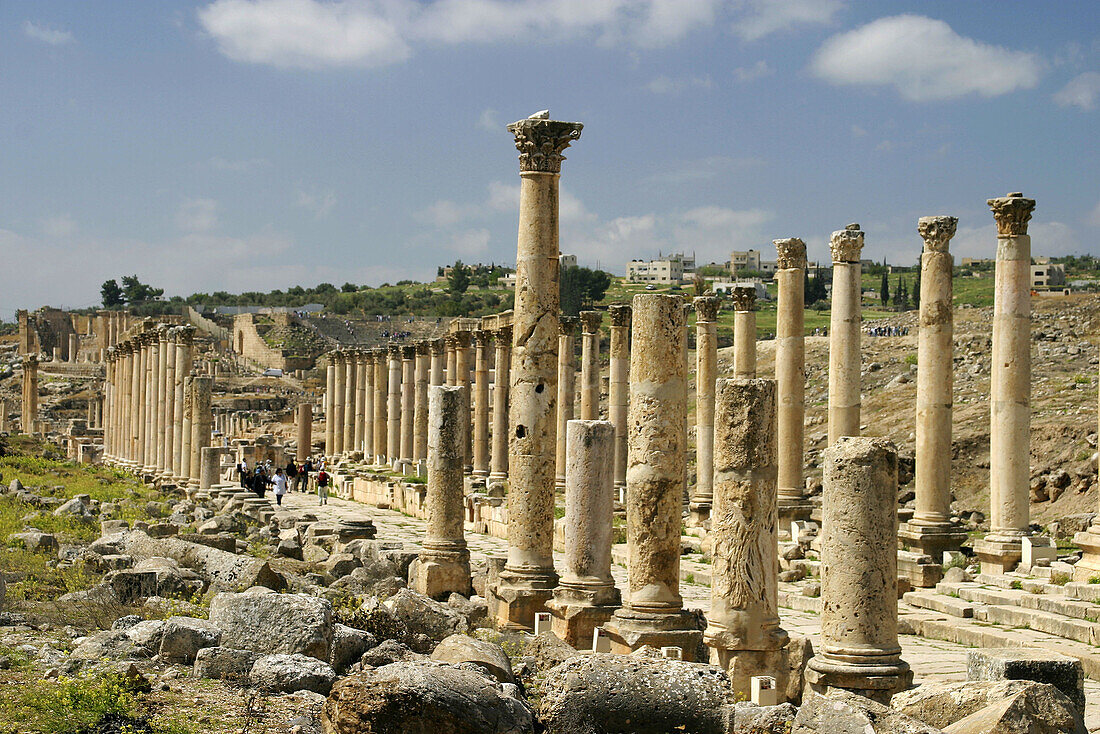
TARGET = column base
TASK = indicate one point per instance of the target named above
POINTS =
(518, 596)
(1088, 567)
(629, 630)
(742, 665)
(999, 554)
(931, 540)
(922, 571)
(439, 573)
(498, 476)
(876, 680)
(699, 515)
(792, 511)
(579, 611)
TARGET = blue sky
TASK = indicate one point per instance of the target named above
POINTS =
(259, 144)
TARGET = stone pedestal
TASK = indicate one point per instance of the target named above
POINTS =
(305, 432)
(443, 566)
(744, 332)
(931, 531)
(619, 384)
(790, 378)
(590, 365)
(743, 630)
(499, 464)
(528, 578)
(210, 463)
(1010, 389)
(653, 615)
(844, 333)
(567, 378)
(586, 597)
(481, 403)
(706, 371)
(859, 650)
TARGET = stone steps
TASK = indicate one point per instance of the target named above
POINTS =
(940, 603)
(1053, 624)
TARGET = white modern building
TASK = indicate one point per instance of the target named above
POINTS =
(670, 270)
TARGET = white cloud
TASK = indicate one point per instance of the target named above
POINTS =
(59, 227)
(1094, 216)
(1082, 91)
(320, 204)
(445, 213)
(759, 70)
(765, 17)
(470, 243)
(719, 217)
(668, 85)
(197, 215)
(1047, 238)
(47, 35)
(489, 121)
(503, 197)
(924, 59)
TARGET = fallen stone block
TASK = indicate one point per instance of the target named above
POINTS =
(1038, 709)
(261, 620)
(284, 673)
(1025, 663)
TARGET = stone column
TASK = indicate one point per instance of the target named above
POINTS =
(481, 404)
(187, 428)
(462, 379)
(339, 401)
(330, 406)
(790, 378)
(381, 404)
(363, 368)
(137, 402)
(170, 403)
(161, 404)
(586, 597)
(210, 459)
(452, 360)
(408, 397)
(590, 365)
(305, 432)
(351, 382)
(743, 630)
(443, 566)
(528, 579)
(152, 393)
(619, 384)
(844, 319)
(393, 406)
(200, 425)
(420, 403)
(438, 349)
(567, 378)
(74, 346)
(121, 411)
(499, 468)
(859, 650)
(1010, 389)
(1088, 567)
(145, 426)
(30, 394)
(653, 614)
(931, 531)
(744, 332)
(706, 371)
(185, 336)
(367, 368)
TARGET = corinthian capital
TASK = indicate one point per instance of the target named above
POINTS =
(590, 321)
(744, 298)
(706, 308)
(567, 325)
(620, 314)
(790, 253)
(541, 142)
(846, 244)
(937, 232)
(1012, 213)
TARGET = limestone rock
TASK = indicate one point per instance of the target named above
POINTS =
(348, 646)
(623, 693)
(274, 623)
(747, 718)
(458, 649)
(183, 637)
(846, 713)
(423, 698)
(1038, 709)
(1063, 672)
(956, 575)
(284, 673)
(224, 571)
(942, 704)
(339, 565)
(390, 651)
(35, 541)
(224, 662)
(424, 615)
(370, 580)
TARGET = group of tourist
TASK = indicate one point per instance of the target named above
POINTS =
(293, 478)
(888, 331)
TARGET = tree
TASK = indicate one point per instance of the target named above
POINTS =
(901, 296)
(348, 288)
(699, 285)
(137, 292)
(884, 290)
(916, 287)
(815, 288)
(111, 293)
(460, 278)
(579, 288)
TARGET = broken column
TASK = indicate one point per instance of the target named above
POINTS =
(706, 370)
(481, 404)
(210, 458)
(393, 405)
(528, 578)
(305, 432)
(29, 416)
(1010, 389)
(499, 460)
(844, 319)
(790, 378)
(618, 384)
(339, 401)
(201, 388)
(439, 362)
(590, 365)
(743, 630)
(420, 402)
(451, 347)
(654, 615)
(408, 396)
(586, 597)
(567, 377)
(859, 650)
(443, 566)
(931, 531)
(744, 332)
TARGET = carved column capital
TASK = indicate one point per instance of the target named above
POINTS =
(706, 308)
(482, 337)
(1011, 213)
(590, 321)
(540, 143)
(503, 335)
(339, 357)
(620, 314)
(937, 232)
(462, 339)
(790, 253)
(408, 352)
(186, 335)
(846, 244)
(394, 351)
(30, 361)
(438, 346)
(744, 298)
(567, 325)
(423, 348)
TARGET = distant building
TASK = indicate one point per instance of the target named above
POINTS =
(742, 260)
(969, 261)
(1048, 274)
(567, 261)
(724, 288)
(669, 270)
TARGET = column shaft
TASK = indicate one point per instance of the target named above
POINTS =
(330, 408)
(844, 320)
(567, 378)
(590, 365)
(481, 404)
(305, 432)
(706, 371)
(393, 407)
(619, 384)
(408, 398)
(790, 378)
(420, 403)
(499, 469)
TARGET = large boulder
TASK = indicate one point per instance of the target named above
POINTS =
(424, 698)
(846, 713)
(1037, 709)
(377, 578)
(225, 662)
(183, 637)
(465, 650)
(424, 615)
(639, 695)
(747, 718)
(942, 704)
(289, 673)
(76, 509)
(261, 620)
(348, 646)
(390, 651)
(223, 570)
(339, 565)
(35, 541)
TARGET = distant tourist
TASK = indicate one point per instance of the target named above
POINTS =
(322, 487)
(243, 473)
(292, 474)
(279, 481)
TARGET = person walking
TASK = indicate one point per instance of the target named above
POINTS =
(243, 473)
(279, 480)
(307, 469)
(292, 474)
(322, 487)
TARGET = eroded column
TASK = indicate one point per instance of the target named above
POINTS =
(351, 380)
(304, 444)
(567, 378)
(463, 363)
(744, 332)
(393, 406)
(619, 384)
(210, 459)
(330, 406)
(790, 378)
(481, 403)
(361, 381)
(184, 347)
(590, 365)
(339, 401)
(29, 415)
(367, 366)
(844, 319)
(420, 403)
(438, 374)
(408, 397)
(706, 371)
(499, 462)
(200, 425)
(187, 427)
(381, 404)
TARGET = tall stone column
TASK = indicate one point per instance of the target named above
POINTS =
(363, 369)
(339, 401)
(653, 614)
(169, 403)
(74, 347)
(844, 319)
(122, 403)
(706, 372)
(420, 403)
(108, 394)
(184, 349)
(393, 406)
(187, 428)
(408, 398)
(586, 597)
(162, 399)
(438, 374)
(1010, 389)
(931, 531)
(330, 406)
(744, 332)
(351, 381)
(367, 367)
(29, 416)
(305, 432)
(1088, 567)
(859, 650)
(528, 579)
(152, 397)
(381, 404)
(499, 468)
(619, 384)
(590, 365)
(567, 378)
(201, 387)
(452, 359)
(148, 366)
(443, 566)
(462, 379)
(137, 403)
(743, 630)
(481, 403)
(790, 378)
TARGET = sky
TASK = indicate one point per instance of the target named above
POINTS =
(260, 144)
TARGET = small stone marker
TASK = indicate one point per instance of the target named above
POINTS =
(542, 622)
(763, 691)
(672, 653)
(600, 641)
(1038, 551)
